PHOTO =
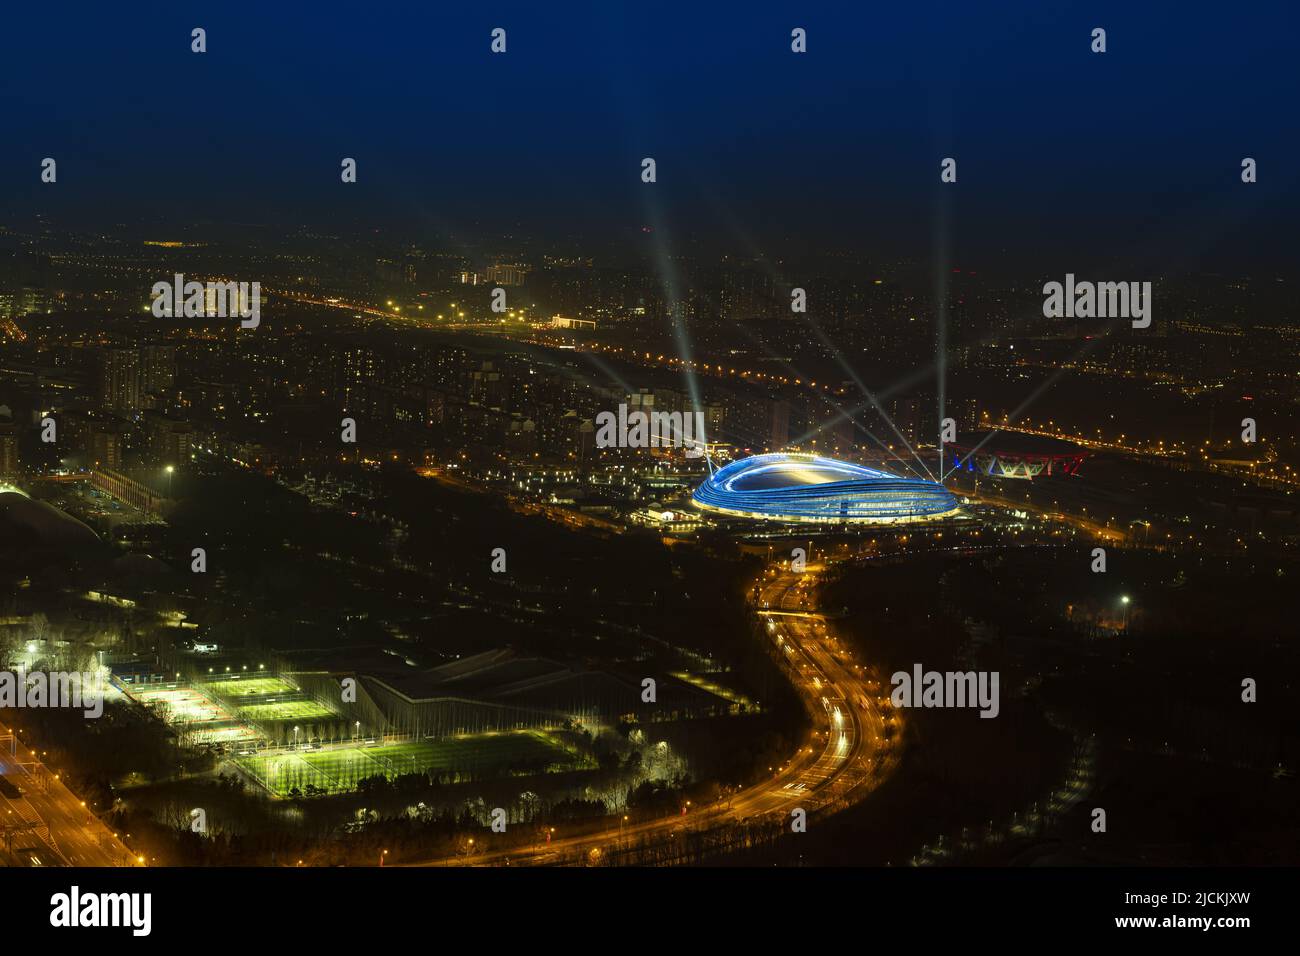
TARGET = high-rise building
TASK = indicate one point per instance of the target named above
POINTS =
(119, 381)
(159, 368)
(104, 446)
(966, 412)
(780, 425)
(8, 444)
(169, 440)
(488, 387)
(91, 440)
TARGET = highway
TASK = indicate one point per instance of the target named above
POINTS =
(846, 754)
(74, 833)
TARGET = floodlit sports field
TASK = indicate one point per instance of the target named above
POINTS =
(200, 704)
(337, 770)
(224, 735)
(183, 705)
(248, 687)
(287, 710)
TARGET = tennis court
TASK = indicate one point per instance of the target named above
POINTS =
(182, 705)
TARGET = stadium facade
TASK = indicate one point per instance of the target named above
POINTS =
(786, 487)
(503, 690)
(1007, 454)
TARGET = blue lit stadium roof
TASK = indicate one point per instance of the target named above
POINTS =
(789, 487)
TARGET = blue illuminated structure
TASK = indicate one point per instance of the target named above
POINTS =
(806, 488)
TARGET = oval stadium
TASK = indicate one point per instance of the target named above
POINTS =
(807, 488)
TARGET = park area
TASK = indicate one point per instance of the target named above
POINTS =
(476, 755)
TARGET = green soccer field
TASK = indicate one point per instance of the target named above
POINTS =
(247, 687)
(287, 710)
(339, 770)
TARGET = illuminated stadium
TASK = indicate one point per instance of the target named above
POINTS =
(806, 488)
(1008, 454)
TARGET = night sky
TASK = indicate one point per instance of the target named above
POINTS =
(1131, 157)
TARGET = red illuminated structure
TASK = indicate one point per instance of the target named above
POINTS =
(1007, 454)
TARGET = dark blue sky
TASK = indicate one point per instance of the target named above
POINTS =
(1131, 155)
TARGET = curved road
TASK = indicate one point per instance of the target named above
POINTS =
(846, 754)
